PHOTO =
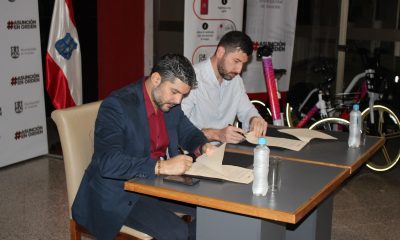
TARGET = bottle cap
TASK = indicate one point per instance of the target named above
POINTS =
(356, 107)
(262, 140)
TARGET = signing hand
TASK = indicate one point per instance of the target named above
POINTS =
(208, 149)
(176, 165)
(259, 126)
(231, 134)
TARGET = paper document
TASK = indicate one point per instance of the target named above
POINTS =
(211, 166)
(305, 134)
(295, 145)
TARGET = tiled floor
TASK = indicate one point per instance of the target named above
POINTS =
(33, 203)
(33, 200)
(367, 207)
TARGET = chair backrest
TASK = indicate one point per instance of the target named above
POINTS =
(76, 130)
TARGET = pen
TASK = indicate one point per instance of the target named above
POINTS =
(180, 149)
(183, 152)
(239, 132)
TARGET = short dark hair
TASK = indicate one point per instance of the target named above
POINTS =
(236, 39)
(172, 66)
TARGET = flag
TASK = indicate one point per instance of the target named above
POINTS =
(63, 58)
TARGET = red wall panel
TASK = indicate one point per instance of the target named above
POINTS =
(120, 43)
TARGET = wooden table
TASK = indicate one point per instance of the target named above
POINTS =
(334, 153)
(301, 209)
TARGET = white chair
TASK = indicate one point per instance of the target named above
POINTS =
(76, 130)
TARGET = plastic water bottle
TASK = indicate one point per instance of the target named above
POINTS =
(261, 166)
(355, 127)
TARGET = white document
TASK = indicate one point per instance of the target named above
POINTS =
(295, 145)
(211, 166)
(305, 134)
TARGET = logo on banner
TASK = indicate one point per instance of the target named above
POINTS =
(66, 46)
(223, 28)
(28, 51)
(278, 46)
(30, 132)
(18, 106)
(30, 105)
(224, 8)
(272, 4)
(21, 24)
(14, 51)
(25, 79)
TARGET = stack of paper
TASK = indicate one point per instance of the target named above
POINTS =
(305, 135)
(211, 166)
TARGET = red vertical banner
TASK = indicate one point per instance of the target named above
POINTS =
(120, 43)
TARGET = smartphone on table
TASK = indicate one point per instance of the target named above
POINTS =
(186, 180)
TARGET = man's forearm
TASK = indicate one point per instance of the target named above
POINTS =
(211, 134)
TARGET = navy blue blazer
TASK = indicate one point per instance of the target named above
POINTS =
(122, 152)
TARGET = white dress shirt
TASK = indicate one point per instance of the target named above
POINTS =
(215, 105)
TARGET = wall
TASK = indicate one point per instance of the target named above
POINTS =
(120, 43)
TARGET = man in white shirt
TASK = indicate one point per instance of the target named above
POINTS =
(221, 96)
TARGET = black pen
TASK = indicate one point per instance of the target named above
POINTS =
(180, 149)
(239, 132)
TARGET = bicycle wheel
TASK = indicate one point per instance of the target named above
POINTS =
(293, 117)
(263, 110)
(386, 125)
(296, 119)
(288, 115)
(331, 124)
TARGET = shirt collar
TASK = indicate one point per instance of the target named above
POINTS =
(149, 106)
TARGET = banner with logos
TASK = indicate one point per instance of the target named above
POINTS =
(270, 22)
(23, 132)
(206, 21)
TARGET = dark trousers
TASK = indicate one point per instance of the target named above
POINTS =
(157, 218)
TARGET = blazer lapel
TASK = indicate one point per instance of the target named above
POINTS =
(138, 114)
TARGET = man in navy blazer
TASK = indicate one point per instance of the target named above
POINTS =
(129, 126)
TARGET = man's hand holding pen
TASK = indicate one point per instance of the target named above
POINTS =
(259, 126)
(179, 164)
(231, 134)
(206, 149)
(176, 165)
(236, 135)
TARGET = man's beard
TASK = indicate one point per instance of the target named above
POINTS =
(159, 103)
(223, 73)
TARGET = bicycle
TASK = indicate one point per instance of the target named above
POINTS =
(375, 86)
(274, 115)
(262, 108)
(317, 100)
(379, 117)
